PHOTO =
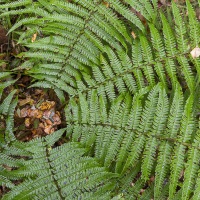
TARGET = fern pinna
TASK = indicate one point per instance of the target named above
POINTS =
(132, 118)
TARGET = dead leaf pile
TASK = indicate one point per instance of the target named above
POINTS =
(41, 119)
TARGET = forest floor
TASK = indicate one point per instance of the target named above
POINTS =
(39, 111)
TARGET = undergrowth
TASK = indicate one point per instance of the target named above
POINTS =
(126, 74)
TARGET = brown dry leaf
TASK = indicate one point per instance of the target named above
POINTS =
(7, 167)
(52, 130)
(23, 112)
(47, 105)
(38, 91)
(56, 119)
(34, 131)
(49, 122)
(58, 113)
(41, 125)
(33, 113)
(34, 37)
(139, 15)
(27, 122)
(28, 100)
(47, 129)
(39, 114)
(106, 4)
(37, 132)
(47, 114)
(133, 35)
(195, 53)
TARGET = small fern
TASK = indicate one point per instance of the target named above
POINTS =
(132, 117)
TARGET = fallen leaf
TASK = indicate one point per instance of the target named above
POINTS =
(106, 4)
(27, 122)
(37, 132)
(39, 114)
(34, 37)
(52, 130)
(23, 112)
(49, 122)
(41, 125)
(195, 53)
(47, 105)
(47, 129)
(18, 111)
(33, 113)
(28, 100)
(56, 119)
(34, 131)
(38, 91)
(133, 34)
(46, 114)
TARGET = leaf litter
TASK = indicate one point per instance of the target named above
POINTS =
(36, 115)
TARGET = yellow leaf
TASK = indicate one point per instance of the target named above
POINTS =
(27, 122)
(133, 34)
(34, 37)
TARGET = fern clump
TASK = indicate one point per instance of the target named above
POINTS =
(132, 112)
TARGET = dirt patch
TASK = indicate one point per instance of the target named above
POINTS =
(3, 39)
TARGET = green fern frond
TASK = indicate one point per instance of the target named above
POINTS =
(132, 104)
(58, 174)
(194, 25)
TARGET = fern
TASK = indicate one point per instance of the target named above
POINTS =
(132, 115)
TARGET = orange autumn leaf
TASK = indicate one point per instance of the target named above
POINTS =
(41, 125)
(47, 105)
(39, 114)
(47, 129)
(34, 131)
(49, 122)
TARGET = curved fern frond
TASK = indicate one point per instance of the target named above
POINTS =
(59, 173)
(132, 104)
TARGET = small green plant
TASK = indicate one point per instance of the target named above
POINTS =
(132, 112)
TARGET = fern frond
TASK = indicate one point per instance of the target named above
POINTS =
(158, 127)
(124, 11)
(186, 130)
(88, 175)
(170, 42)
(193, 25)
(132, 103)
(16, 4)
(165, 149)
(180, 29)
